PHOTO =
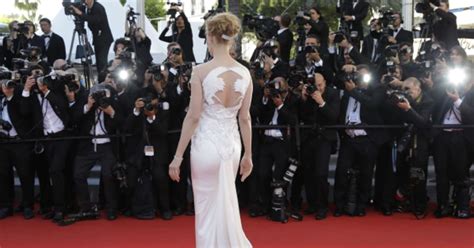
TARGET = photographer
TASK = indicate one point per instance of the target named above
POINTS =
(450, 150)
(318, 106)
(399, 34)
(142, 53)
(273, 65)
(97, 113)
(149, 153)
(284, 37)
(275, 148)
(181, 33)
(343, 52)
(413, 147)
(174, 60)
(50, 110)
(372, 49)
(358, 149)
(319, 27)
(96, 18)
(316, 63)
(353, 12)
(53, 43)
(445, 30)
(8, 45)
(27, 38)
(15, 124)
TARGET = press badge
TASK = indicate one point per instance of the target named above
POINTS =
(149, 151)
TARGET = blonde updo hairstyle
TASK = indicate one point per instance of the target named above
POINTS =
(223, 24)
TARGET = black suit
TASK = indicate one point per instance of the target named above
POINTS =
(17, 155)
(285, 39)
(89, 153)
(446, 29)
(368, 49)
(316, 149)
(185, 39)
(321, 29)
(280, 69)
(404, 36)
(54, 49)
(157, 133)
(8, 52)
(98, 23)
(359, 152)
(451, 154)
(359, 12)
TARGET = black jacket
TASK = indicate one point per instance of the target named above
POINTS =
(360, 12)
(370, 101)
(185, 39)
(404, 36)
(56, 49)
(99, 25)
(420, 115)
(157, 132)
(20, 116)
(321, 29)
(285, 39)
(285, 117)
(446, 29)
(311, 114)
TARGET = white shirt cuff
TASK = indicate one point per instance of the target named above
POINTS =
(458, 103)
(71, 104)
(179, 90)
(281, 106)
(151, 120)
(86, 109)
(25, 93)
(353, 18)
(322, 105)
(136, 112)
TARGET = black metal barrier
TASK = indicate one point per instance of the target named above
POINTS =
(297, 129)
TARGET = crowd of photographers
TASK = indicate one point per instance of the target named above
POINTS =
(129, 123)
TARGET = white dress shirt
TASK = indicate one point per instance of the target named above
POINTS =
(353, 118)
(453, 116)
(6, 117)
(51, 122)
(276, 133)
(98, 128)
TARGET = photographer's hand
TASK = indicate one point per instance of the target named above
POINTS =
(318, 97)
(109, 111)
(428, 82)
(453, 95)
(396, 83)
(350, 85)
(71, 95)
(405, 105)
(392, 40)
(90, 103)
(348, 18)
(304, 93)
(30, 81)
(76, 11)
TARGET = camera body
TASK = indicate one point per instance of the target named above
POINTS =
(5, 125)
(22, 28)
(264, 27)
(157, 71)
(424, 7)
(79, 4)
(172, 12)
(101, 98)
(148, 103)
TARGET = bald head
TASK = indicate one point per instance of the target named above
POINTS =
(320, 82)
(59, 64)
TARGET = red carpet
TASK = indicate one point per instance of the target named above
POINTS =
(374, 230)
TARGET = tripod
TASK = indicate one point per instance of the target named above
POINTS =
(83, 50)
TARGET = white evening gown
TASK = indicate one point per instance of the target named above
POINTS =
(215, 159)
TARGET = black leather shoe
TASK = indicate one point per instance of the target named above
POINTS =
(361, 212)
(309, 211)
(295, 214)
(5, 212)
(321, 214)
(387, 211)
(146, 216)
(28, 213)
(463, 214)
(58, 216)
(178, 212)
(337, 212)
(166, 215)
(443, 211)
(189, 212)
(111, 215)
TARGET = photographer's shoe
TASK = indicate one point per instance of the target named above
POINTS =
(338, 212)
(28, 213)
(167, 215)
(295, 214)
(111, 215)
(309, 211)
(321, 214)
(361, 212)
(5, 212)
(387, 211)
(443, 211)
(58, 216)
(146, 216)
(463, 214)
(178, 212)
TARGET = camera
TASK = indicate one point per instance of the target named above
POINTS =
(297, 77)
(10, 84)
(57, 82)
(311, 49)
(185, 71)
(391, 51)
(340, 36)
(22, 28)
(264, 27)
(102, 98)
(176, 51)
(5, 74)
(299, 19)
(5, 125)
(79, 4)
(131, 15)
(424, 6)
(258, 71)
(397, 96)
(31, 53)
(148, 103)
(172, 12)
(275, 88)
(157, 71)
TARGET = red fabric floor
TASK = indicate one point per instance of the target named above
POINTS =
(374, 230)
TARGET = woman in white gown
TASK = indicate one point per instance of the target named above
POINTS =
(221, 91)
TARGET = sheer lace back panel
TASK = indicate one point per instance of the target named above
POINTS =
(223, 91)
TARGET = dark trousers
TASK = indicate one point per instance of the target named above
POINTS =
(56, 153)
(248, 190)
(273, 152)
(39, 163)
(178, 190)
(86, 159)
(101, 54)
(17, 155)
(419, 160)
(385, 177)
(315, 160)
(450, 159)
(357, 153)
